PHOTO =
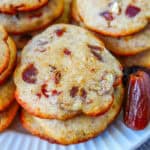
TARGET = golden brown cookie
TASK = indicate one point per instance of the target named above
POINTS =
(129, 45)
(7, 116)
(123, 46)
(22, 40)
(7, 94)
(75, 130)
(141, 59)
(12, 62)
(64, 73)
(4, 50)
(25, 22)
(114, 18)
(13, 6)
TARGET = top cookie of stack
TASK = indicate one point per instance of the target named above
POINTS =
(122, 25)
(27, 16)
(69, 74)
(114, 18)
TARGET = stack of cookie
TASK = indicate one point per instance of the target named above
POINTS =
(25, 18)
(122, 25)
(8, 107)
(68, 84)
(64, 17)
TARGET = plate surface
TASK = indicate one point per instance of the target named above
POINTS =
(117, 136)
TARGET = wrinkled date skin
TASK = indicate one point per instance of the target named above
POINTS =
(137, 112)
(129, 70)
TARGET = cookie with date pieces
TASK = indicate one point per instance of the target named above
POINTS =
(75, 130)
(12, 61)
(7, 116)
(22, 40)
(141, 59)
(7, 94)
(24, 22)
(123, 46)
(114, 17)
(129, 45)
(78, 74)
(14, 6)
(4, 50)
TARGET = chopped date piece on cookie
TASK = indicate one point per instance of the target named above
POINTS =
(74, 91)
(44, 90)
(67, 52)
(132, 11)
(39, 95)
(60, 32)
(29, 74)
(97, 55)
(55, 93)
(107, 15)
(57, 77)
(93, 47)
(95, 50)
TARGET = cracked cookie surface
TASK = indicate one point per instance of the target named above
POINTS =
(63, 73)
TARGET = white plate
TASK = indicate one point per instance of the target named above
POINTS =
(116, 137)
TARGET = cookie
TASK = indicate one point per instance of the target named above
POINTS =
(75, 77)
(123, 46)
(22, 40)
(7, 116)
(75, 130)
(4, 50)
(65, 18)
(114, 18)
(141, 59)
(12, 62)
(13, 6)
(7, 96)
(129, 45)
(32, 21)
